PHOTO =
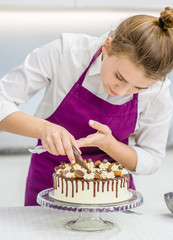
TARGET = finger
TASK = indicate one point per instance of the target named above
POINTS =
(68, 148)
(88, 141)
(82, 142)
(99, 126)
(59, 146)
(74, 143)
(50, 147)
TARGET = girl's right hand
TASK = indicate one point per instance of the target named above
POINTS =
(58, 141)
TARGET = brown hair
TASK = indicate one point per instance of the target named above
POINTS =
(147, 41)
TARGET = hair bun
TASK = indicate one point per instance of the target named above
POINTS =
(167, 17)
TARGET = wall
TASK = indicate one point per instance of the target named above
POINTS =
(22, 31)
(91, 4)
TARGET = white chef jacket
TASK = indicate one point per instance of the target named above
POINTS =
(59, 64)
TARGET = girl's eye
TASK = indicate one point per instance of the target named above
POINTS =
(139, 89)
(118, 77)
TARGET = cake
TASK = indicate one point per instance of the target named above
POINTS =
(102, 183)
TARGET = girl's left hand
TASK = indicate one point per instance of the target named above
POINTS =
(100, 139)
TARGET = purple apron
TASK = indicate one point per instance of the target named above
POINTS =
(74, 112)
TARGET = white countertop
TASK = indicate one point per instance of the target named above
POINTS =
(19, 223)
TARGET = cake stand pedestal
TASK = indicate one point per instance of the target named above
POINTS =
(89, 218)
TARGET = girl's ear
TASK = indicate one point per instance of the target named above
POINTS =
(106, 45)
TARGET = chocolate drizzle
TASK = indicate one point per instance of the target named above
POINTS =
(94, 189)
(95, 182)
(66, 187)
(62, 185)
(121, 185)
(116, 188)
(76, 185)
(98, 183)
(58, 182)
(112, 185)
(82, 185)
(103, 183)
(72, 189)
(108, 186)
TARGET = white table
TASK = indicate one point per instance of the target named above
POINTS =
(26, 223)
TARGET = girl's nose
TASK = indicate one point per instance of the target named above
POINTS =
(121, 90)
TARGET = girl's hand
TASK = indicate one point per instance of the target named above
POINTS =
(58, 141)
(99, 139)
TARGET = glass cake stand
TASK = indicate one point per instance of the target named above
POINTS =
(89, 215)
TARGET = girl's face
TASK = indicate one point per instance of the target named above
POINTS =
(120, 76)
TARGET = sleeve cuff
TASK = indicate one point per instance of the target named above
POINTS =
(6, 108)
(146, 164)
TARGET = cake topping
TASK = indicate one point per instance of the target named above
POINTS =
(117, 173)
(112, 164)
(70, 175)
(79, 173)
(105, 161)
(97, 170)
(97, 163)
(104, 166)
(117, 163)
(88, 171)
(64, 172)
(91, 165)
(120, 167)
(97, 175)
(115, 167)
(89, 160)
(106, 174)
(89, 176)
(72, 169)
(57, 168)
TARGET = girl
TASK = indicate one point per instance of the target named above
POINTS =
(98, 92)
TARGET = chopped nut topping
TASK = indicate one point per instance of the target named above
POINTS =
(97, 163)
(105, 161)
(72, 169)
(89, 160)
(111, 164)
(57, 168)
(63, 172)
(117, 173)
(97, 175)
(120, 167)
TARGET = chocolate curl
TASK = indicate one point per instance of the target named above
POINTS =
(79, 159)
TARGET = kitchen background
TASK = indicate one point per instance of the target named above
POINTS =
(25, 25)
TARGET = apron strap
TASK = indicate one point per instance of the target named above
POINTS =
(82, 77)
(135, 96)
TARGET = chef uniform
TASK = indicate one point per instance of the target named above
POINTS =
(74, 95)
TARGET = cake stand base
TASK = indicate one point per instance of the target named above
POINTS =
(89, 222)
(89, 218)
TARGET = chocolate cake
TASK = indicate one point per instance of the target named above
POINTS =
(101, 183)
